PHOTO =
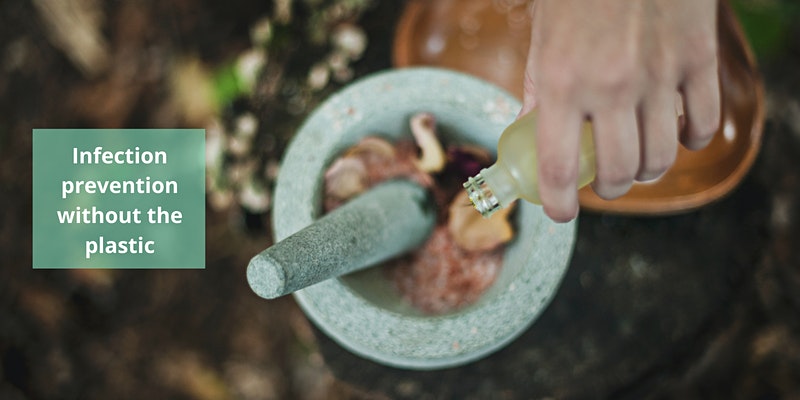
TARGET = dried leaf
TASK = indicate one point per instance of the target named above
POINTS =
(472, 232)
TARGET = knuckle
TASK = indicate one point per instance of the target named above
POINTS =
(557, 79)
(619, 80)
(557, 174)
(619, 84)
(660, 67)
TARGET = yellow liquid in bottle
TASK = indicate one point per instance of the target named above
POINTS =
(515, 174)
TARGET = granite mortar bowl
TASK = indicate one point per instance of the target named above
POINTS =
(362, 311)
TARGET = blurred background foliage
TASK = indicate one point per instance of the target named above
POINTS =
(770, 25)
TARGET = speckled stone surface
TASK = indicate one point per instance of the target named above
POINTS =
(384, 222)
(361, 311)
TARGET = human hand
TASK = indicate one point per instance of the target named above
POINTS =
(621, 64)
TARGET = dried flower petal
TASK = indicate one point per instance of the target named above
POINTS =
(346, 178)
(432, 158)
(372, 146)
(472, 232)
(468, 160)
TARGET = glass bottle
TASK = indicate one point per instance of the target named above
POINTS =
(515, 174)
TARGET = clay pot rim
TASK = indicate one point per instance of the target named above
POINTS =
(402, 51)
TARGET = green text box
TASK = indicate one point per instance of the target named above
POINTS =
(70, 164)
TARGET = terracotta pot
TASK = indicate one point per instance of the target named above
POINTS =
(489, 39)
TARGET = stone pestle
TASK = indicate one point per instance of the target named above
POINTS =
(383, 222)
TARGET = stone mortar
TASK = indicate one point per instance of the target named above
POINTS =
(361, 311)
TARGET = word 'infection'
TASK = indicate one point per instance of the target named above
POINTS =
(128, 156)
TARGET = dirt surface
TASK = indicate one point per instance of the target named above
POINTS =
(701, 305)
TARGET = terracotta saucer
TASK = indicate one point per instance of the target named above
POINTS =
(489, 39)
